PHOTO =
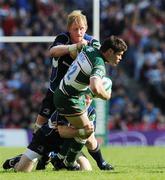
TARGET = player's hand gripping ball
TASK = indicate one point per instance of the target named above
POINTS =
(107, 83)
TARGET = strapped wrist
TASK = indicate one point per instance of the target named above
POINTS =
(72, 47)
(81, 132)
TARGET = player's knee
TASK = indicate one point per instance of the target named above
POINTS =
(84, 163)
(85, 132)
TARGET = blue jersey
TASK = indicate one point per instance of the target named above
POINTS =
(61, 64)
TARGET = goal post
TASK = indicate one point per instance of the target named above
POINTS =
(26, 39)
(100, 105)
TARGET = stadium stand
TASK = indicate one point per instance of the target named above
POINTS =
(138, 85)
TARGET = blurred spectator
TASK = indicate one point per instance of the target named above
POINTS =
(150, 113)
(25, 67)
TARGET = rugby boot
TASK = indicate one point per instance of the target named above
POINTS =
(106, 166)
(10, 163)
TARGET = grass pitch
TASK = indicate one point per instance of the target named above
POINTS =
(131, 163)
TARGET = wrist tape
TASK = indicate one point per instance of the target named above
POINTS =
(72, 47)
(81, 132)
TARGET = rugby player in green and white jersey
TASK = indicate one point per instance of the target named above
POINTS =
(85, 72)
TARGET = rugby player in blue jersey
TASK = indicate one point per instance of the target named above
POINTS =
(63, 52)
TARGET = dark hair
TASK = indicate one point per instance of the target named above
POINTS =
(115, 43)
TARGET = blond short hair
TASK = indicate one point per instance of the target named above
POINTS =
(78, 17)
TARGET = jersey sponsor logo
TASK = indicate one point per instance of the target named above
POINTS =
(46, 111)
(54, 63)
(96, 45)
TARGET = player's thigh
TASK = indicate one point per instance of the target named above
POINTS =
(79, 121)
(69, 105)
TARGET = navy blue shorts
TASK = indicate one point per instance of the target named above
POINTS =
(46, 140)
(47, 107)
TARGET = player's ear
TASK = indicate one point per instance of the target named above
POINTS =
(110, 51)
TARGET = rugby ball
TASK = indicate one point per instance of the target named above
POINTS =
(107, 83)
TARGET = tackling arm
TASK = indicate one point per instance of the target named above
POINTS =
(72, 49)
(71, 132)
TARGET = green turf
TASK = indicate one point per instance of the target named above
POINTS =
(131, 163)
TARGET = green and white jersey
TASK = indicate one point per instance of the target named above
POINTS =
(88, 63)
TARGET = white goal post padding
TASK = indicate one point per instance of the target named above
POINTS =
(27, 39)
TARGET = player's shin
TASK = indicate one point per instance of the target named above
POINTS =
(96, 154)
(75, 147)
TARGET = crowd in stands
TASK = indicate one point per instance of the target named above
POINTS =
(138, 96)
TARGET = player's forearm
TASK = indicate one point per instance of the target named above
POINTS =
(67, 132)
(98, 90)
(103, 95)
(72, 49)
(60, 50)
(71, 132)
